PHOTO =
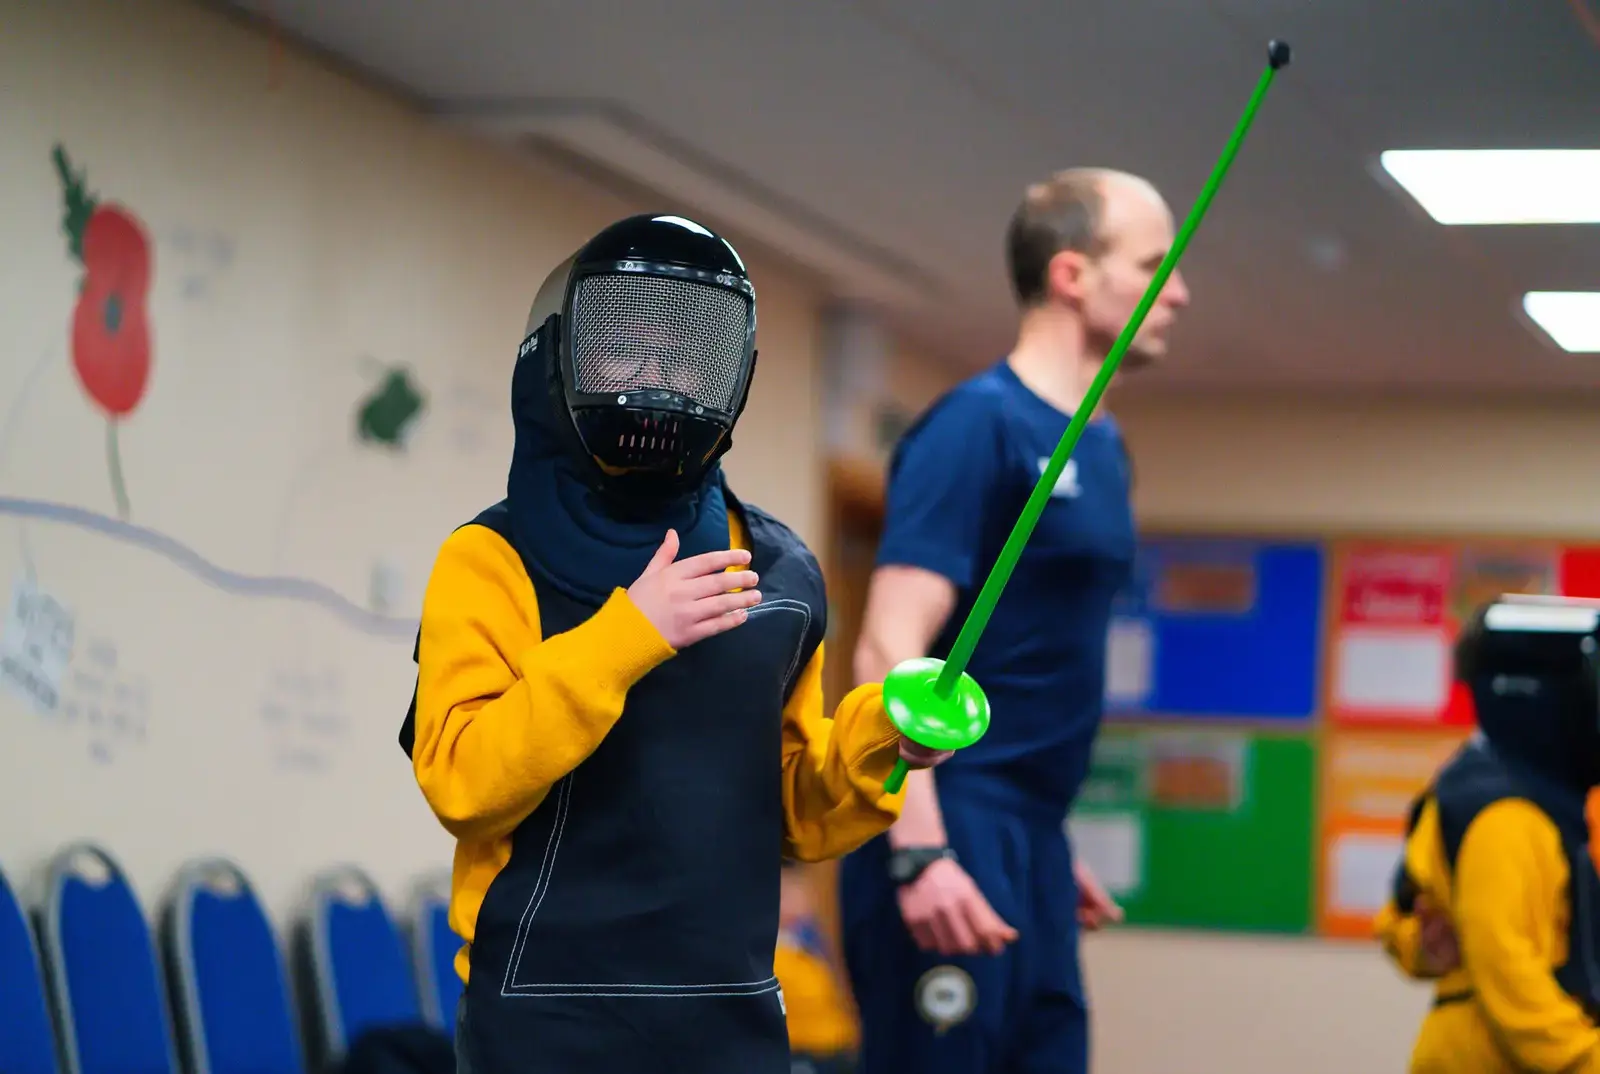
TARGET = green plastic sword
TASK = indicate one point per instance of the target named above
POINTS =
(935, 703)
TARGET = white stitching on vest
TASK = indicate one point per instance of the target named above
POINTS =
(542, 883)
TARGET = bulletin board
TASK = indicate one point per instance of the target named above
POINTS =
(1390, 713)
(1200, 808)
(1368, 780)
(1398, 606)
(1218, 628)
(1273, 708)
(1201, 828)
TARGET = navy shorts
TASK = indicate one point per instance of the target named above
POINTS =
(1020, 1012)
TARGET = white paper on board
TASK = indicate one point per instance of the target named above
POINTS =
(1362, 872)
(1130, 660)
(1112, 845)
(1404, 670)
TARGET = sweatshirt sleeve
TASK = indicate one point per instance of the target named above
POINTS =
(502, 713)
(1400, 935)
(834, 769)
(1511, 887)
(1398, 927)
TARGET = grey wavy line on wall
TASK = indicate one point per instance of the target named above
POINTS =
(302, 590)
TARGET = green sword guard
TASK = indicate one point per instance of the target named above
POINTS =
(940, 721)
(952, 713)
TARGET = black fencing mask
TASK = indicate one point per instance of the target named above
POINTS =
(645, 341)
(1533, 666)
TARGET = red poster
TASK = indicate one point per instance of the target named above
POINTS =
(1390, 649)
(1401, 606)
(1580, 571)
(1395, 586)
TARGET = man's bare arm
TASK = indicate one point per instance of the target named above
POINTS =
(906, 609)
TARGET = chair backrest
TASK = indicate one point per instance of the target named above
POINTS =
(104, 975)
(433, 946)
(27, 1037)
(359, 967)
(235, 1012)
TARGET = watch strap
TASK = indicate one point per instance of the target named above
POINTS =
(906, 864)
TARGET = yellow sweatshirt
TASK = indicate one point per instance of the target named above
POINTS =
(820, 1018)
(503, 713)
(1502, 1011)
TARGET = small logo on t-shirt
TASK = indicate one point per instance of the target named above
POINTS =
(1067, 483)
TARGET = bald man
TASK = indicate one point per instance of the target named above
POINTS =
(961, 924)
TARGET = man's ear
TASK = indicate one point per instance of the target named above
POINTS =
(1067, 276)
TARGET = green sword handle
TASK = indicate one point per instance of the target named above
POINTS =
(936, 703)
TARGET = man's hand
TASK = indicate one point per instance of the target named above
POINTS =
(1437, 950)
(1096, 908)
(690, 600)
(945, 912)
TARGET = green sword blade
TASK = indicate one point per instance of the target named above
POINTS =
(983, 607)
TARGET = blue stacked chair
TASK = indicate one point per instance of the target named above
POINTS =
(104, 975)
(231, 994)
(27, 1037)
(434, 946)
(356, 959)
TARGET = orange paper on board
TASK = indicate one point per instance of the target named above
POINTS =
(1369, 780)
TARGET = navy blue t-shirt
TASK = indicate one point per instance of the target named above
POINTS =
(957, 483)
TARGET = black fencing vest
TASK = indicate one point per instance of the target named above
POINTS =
(633, 930)
(1475, 779)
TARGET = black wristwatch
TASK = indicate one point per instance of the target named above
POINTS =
(907, 863)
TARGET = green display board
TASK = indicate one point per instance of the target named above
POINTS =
(1198, 828)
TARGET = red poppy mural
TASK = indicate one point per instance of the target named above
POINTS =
(110, 324)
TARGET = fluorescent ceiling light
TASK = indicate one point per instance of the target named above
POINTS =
(1570, 318)
(1500, 186)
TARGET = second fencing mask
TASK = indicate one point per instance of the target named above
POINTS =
(1533, 666)
(647, 334)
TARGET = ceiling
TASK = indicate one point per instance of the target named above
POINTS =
(884, 143)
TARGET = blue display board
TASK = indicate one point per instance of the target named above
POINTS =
(1218, 628)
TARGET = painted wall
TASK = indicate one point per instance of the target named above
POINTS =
(321, 297)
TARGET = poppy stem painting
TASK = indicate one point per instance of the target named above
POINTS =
(119, 489)
(110, 323)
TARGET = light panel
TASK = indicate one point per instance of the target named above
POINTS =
(1570, 318)
(1500, 186)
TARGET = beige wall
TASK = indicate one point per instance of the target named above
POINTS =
(303, 238)
(1515, 468)
(1518, 467)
